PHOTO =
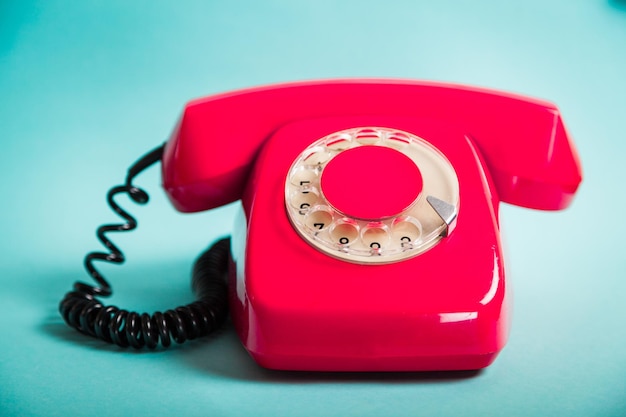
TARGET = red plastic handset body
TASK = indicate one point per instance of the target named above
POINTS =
(295, 307)
(524, 141)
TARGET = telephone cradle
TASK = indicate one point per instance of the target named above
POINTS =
(367, 235)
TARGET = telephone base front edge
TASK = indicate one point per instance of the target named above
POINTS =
(376, 364)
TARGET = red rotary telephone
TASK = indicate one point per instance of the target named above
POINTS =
(368, 234)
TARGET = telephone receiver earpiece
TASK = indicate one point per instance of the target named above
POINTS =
(367, 236)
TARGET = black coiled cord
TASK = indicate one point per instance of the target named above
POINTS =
(82, 310)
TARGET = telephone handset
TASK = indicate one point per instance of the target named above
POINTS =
(368, 234)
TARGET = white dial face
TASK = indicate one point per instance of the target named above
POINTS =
(326, 188)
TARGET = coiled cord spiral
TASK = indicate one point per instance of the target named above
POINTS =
(82, 309)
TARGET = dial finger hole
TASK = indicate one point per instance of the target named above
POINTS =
(367, 136)
(406, 232)
(319, 218)
(304, 198)
(376, 237)
(397, 140)
(344, 232)
(339, 142)
(317, 156)
(303, 176)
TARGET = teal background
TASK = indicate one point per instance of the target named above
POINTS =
(86, 87)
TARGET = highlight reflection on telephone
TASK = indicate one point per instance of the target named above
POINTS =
(368, 236)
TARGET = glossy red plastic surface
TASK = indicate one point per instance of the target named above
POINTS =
(297, 308)
(371, 182)
(523, 141)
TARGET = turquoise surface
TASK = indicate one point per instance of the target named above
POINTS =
(87, 87)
